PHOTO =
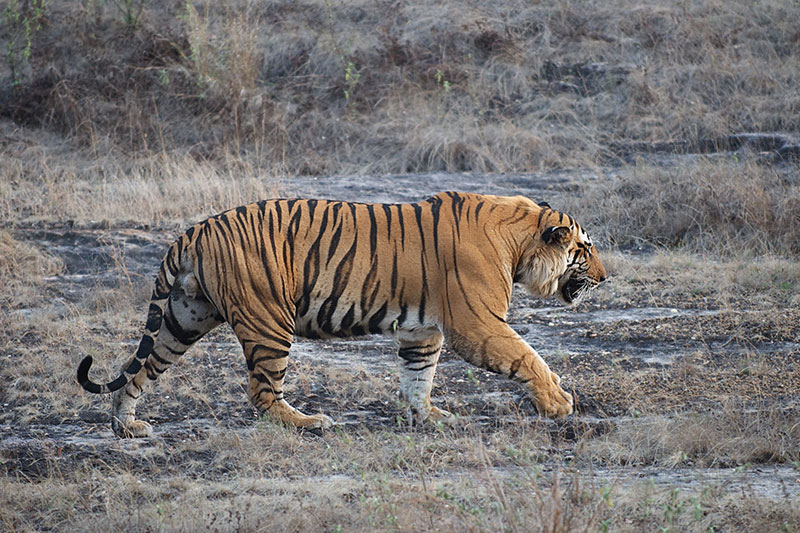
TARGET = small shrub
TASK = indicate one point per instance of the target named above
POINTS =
(20, 20)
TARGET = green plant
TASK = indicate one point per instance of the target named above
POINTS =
(606, 495)
(441, 81)
(351, 74)
(130, 11)
(672, 509)
(22, 19)
(697, 509)
(351, 78)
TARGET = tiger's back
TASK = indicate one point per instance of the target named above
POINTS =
(346, 269)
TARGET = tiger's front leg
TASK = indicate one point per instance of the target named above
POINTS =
(497, 348)
(419, 353)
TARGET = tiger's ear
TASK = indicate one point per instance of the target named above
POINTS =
(556, 235)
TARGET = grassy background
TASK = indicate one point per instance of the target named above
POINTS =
(138, 113)
(325, 87)
(123, 103)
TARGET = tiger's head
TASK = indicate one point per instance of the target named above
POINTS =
(559, 258)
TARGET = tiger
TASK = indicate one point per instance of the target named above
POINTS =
(280, 268)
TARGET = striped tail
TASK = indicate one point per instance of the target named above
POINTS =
(170, 266)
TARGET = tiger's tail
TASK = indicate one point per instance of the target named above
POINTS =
(170, 266)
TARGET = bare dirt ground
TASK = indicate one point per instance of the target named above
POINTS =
(686, 402)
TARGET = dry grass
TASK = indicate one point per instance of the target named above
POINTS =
(361, 480)
(23, 262)
(343, 87)
(733, 280)
(723, 207)
(155, 190)
(734, 434)
(22, 269)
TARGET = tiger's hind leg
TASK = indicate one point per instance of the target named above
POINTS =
(267, 356)
(419, 352)
(187, 317)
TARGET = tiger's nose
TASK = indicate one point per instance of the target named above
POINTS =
(601, 279)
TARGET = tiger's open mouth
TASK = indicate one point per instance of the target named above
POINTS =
(574, 289)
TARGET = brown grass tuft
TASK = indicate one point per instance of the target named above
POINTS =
(20, 261)
(713, 206)
(734, 435)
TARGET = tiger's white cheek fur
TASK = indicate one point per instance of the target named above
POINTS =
(542, 275)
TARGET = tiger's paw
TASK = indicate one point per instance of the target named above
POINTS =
(437, 415)
(285, 413)
(319, 421)
(553, 401)
(132, 429)
(430, 414)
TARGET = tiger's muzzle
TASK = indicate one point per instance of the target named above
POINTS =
(576, 288)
